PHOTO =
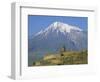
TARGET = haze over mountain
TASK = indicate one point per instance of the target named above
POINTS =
(56, 35)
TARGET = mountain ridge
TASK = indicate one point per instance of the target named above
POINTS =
(59, 27)
(56, 35)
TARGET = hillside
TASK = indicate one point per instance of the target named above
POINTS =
(63, 58)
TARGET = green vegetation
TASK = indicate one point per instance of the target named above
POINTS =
(64, 58)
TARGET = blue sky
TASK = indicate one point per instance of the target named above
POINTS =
(38, 22)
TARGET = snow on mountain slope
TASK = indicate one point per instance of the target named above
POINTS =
(59, 27)
(58, 34)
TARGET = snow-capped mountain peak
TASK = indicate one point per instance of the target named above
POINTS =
(63, 27)
(59, 27)
(58, 34)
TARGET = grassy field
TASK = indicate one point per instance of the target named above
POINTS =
(63, 58)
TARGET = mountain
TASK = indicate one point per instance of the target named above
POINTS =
(58, 34)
